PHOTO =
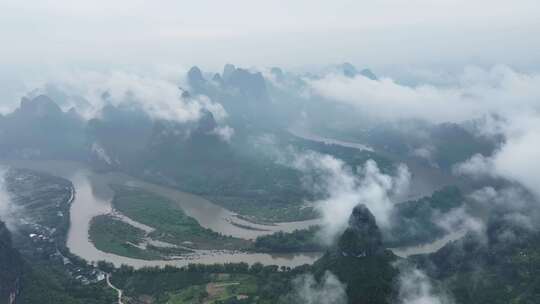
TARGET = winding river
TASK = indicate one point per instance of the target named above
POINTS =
(94, 195)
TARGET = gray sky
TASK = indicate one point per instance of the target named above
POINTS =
(410, 40)
(263, 32)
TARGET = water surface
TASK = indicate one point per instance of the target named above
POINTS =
(93, 196)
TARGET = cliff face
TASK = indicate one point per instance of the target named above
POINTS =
(361, 261)
(10, 268)
(362, 238)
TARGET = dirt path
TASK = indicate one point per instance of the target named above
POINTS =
(119, 291)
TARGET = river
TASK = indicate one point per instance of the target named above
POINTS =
(93, 197)
(425, 179)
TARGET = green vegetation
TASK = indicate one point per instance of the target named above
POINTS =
(297, 241)
(451, 143)
(224, 288)
(171, 224)
(443, 200)
(218, 283)
(42, 275)
(44, 283)
(272, 211)
(360, 261)
(156, 283)
(190, 295)
(44, 198)
(282, 198)
(242, 176)
(368, 279)
(499, 267)
(228, 175)
(413, 221)
(11, 265)
(110, 234)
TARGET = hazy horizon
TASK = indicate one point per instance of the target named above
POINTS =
(270, 151)
(267, 33)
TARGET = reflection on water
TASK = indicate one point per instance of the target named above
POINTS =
(93, 197)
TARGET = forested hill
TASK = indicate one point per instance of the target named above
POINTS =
(10, 267)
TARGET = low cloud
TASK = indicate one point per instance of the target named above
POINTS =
(225, 133)
(460, 221)
(415, 287)
(7, 209)
(158, 95)
(341, 190)
(506, 100)
(513, 203)
(306, 290)
(477, 166)
(426, 153)
(515, 159)
(476, 92)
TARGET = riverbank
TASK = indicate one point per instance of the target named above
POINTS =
(94, 195)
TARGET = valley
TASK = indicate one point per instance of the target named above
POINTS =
(263, 195)
(93, 197)
(123, 220)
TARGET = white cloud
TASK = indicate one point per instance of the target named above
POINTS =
(157, 94)
(225, 133)
(328, 291)
(460, 221)
(426, 152)
(476, 93)
(514, 203)
(342, 190)
(509, 102)
(515, 159)
(416, 288)
(7, 209)
(477, 166)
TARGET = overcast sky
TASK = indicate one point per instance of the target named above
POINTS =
(399, 38)
(264, 32)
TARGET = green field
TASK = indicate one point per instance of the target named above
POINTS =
(223, 289)
(171, 224)
(273, 210)
(114, 236)
(174, 286)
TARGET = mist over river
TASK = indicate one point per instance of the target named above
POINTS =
(93, 196)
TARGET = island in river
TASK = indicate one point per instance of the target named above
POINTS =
(93, 196)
